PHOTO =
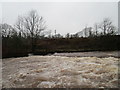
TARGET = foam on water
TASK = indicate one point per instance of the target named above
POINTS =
(59, 71)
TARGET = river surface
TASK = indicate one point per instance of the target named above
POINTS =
(91, 54)
(61, 70)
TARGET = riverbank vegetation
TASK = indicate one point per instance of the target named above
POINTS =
(30, 35)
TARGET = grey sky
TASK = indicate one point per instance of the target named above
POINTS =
(63, 16)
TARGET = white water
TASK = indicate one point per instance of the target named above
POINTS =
(59, 71)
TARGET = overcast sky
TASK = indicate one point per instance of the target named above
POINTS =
(65, 17)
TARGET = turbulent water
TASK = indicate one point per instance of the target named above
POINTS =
(60, 71)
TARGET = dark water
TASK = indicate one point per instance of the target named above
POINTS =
(72, 54)
(91, 54)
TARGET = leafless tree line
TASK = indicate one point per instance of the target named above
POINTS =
(32, 26)
(28, 26)
(106, 27)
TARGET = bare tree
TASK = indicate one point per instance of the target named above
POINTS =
(20, 27)
(90, 33)
(67, 35)
(34, 23)
(7, 30)
(85, 31)
(107, 27)
(96, 28)
(31, 25)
